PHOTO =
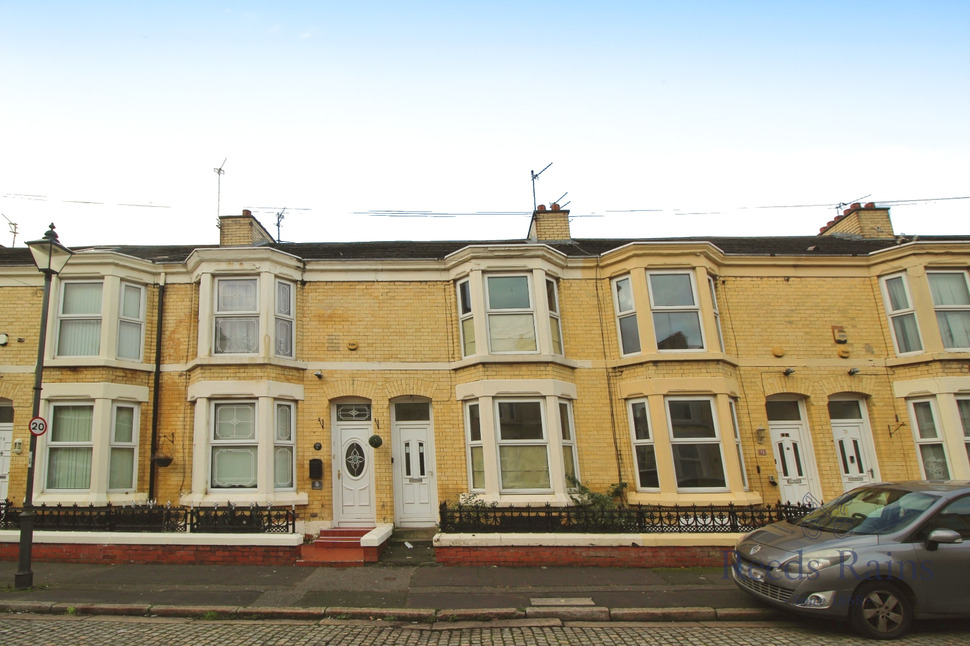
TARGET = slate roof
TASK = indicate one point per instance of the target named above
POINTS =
(582, 247)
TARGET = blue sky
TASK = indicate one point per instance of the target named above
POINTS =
(660, 118)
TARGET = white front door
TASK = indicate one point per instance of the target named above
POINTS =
(6, 440)
(851, 451)
(792, 462)
(353, 470)
(415, 489)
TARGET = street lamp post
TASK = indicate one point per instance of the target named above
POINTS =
(50, 256)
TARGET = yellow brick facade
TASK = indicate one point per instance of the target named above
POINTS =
(380, 331)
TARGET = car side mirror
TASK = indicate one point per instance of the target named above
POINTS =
(945, 536)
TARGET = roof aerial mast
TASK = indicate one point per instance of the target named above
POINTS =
(220, 173)
(535, 176)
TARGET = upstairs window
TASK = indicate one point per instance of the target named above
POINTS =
(79, 319)
(951, 300)
(626, 316)
(466, 318)
(676, 316)
(237, 316)
(285, 313)
(902, 317)
(511, 323)
(131, 322)
(555, 327)
(712, 285)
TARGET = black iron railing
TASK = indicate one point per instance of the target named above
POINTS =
(642, 519)
(250, 519)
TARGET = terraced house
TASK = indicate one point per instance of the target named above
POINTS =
(362, 384)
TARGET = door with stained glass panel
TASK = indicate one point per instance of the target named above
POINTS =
(853, 443)
(353, 472)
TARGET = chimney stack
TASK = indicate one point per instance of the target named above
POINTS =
(549, 225)
(242, 231)
(868, 221)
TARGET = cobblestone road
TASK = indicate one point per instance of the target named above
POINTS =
(111, 631)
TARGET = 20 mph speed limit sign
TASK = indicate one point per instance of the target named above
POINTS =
(38, 425)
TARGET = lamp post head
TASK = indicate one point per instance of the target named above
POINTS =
(50, 255)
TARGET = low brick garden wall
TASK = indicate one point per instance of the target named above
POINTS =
(610, 556)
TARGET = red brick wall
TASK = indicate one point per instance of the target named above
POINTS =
(198, 554)
(618, 556)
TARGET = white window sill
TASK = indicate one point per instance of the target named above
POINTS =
(245, 498)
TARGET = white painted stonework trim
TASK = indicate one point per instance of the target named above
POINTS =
(586, 540)
(156, 538)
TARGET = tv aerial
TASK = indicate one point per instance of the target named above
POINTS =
(13, 229)
(535, 176)
(220, 173)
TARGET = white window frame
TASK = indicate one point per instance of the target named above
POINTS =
(567, 431)
(662, 310)
(229, 315)
(53, 445)
(473, 437)
(922, 440)
(693, 441)
(284, 439)
(466, 317)
(625, 316)
(949, 308)
(79, 317)
(963, 412)
(737, 440)
(712, 285)
(646, 444)
(555, 324)
(902, 313)
(501, 443)
(134, 321)
(233, 443)
(128, 446)
(285, 317)
(492, 314)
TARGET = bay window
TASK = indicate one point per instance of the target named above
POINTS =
(951, 300)
(555, 327)
(902, 316)
(466, 318)
(70, 447)
(476, 455)
(963, 408)
(712, 285)
(131, 322)
(644, 453)
(285, 315)
(123, 452)
(568, 438)
(284, 449)
(626, 315)
(929, 441)
(522, 446)
(509, 309)
(234, 445)
(676, 316)
(237, 316)
(695, 444)
(79, 319)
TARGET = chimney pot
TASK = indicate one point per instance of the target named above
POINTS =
(870, 205)
(247, 212)
(553, 207)
(541, 207)
(854, 206)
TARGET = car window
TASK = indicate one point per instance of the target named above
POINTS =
(869, 510)
(955, 516)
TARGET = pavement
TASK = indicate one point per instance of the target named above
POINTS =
(405, 585)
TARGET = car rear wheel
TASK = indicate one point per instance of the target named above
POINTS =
(881, 610)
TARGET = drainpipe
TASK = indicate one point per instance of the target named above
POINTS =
(157, 381)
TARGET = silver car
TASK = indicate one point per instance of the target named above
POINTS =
(878, 555)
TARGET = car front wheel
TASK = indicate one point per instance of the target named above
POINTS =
(881, 610)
